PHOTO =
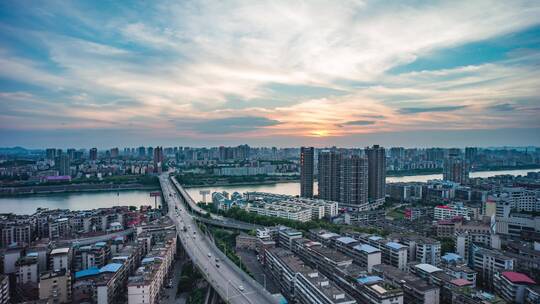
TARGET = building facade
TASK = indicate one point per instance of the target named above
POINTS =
(376, 173)
(307, 166)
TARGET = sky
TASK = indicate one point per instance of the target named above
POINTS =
(269, 73)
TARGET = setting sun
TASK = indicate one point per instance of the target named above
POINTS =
(320, 133)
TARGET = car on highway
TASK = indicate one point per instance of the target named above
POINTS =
(217, 265)
(241, 288)
(209, 255)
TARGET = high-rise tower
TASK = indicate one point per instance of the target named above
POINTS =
(306, 171)
(456, 169)
(376, 173)
(329, 166)
(354, 182)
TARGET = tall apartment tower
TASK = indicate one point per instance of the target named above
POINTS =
(354, 182)
(306, 171)
(158, 155)
(471, 153)
(63, 164)
(376, 173)
(329, 167)
(93, 154)
(456, 169)
(115, 153)
(50, 153)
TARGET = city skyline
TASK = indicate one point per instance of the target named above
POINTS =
(280, 74)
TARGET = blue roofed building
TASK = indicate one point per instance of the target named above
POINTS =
(451, 258)
(87, 273)
(369, 279)
(366, 256)
(224, 201)
(392, 253)
(112, 267)
(374, 289)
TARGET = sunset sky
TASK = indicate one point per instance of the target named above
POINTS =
(275, 73)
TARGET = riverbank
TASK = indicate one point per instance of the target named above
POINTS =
(224, 184)
(72, 188)
(83, 200)
(408, 173)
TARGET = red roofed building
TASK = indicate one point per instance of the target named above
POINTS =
(461, 282)
(511, 285)
(517, 277)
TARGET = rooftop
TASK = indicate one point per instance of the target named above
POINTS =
(112, 267)
(517, 277)
(87, 272)
(451, 257)
(328, 235)
(366, 248)
(427, 268)
(332, 255)
(27, 260)
(60, 250)
(461, 282)
(369, 280)
(346, 240)
(395, 245)
(392, 273)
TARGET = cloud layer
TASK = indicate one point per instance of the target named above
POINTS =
(321, 71)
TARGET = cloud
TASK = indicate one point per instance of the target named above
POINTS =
(360, 122)
(264, 68)
(233, 125)
(417, 110)
(502, 107)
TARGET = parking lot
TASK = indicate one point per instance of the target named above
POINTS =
(249, 259)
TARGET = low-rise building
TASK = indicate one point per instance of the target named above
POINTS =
(487, 263)
(422, 249)
(393, 253)
(443, 212)
(375, 290)
(60, 258)
(367, 256)
(280, 209)
(319, 208)
(27, 270)
(55, 286)
(512, 286)
(144, 286)
(301, 283)
(414, 288)
(286, 237)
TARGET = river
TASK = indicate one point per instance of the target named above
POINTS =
(76, 201)
(293, 188)
(90, 200)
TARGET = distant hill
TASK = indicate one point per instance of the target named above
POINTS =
(13, 151)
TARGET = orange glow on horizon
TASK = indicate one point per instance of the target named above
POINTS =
(320, 133)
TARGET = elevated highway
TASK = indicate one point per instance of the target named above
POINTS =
(209, 218)
(228, 280)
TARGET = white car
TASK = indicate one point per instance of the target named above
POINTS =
(241, 288)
